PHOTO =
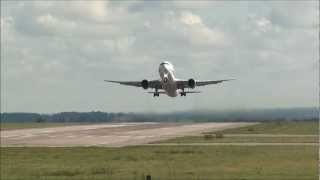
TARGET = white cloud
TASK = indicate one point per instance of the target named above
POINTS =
(54, 67)
(124, 44)
(264, 24)
(147, 24)
(43, 4)
(98, 9)
(6, 21)
(189, 27)
(1, 22)
(199, 33)
(66, 43)
(52, 26)
(190, 19)
(260, 25)
(94, 10)
(195, 4)
(6, 30)
(300, 14)
(47, 20)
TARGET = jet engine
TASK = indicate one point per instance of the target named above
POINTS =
(191, 83)
(145, 84)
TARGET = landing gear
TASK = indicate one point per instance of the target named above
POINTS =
(156, 93)
(183, 93)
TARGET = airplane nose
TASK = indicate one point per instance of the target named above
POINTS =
(165, 80)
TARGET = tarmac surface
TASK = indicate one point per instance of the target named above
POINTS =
(108, 134)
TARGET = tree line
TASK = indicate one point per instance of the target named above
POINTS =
(288, 114)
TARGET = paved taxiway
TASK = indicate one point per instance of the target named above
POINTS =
(109, 134)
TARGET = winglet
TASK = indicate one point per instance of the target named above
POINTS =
(112, 81)
(229, 79)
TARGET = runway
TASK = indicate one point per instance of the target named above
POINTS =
(108, 134)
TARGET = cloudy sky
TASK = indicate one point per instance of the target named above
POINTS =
(55, 54)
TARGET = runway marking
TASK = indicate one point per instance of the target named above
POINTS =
(26, 136)
(46, 131)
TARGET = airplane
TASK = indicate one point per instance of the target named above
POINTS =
(170, 85)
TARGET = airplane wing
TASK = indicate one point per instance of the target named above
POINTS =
(192, 92)
(151, 84)
(185, 83)
(204, 83)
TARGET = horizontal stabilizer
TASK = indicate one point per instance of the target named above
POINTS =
(160, 92)
(190, 92)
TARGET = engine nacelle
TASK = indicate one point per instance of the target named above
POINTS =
(145, 84)
(191, 83)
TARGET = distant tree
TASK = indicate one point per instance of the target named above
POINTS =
(40, 120)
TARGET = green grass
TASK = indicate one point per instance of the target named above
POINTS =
(174, 162)
(291, 128)
(202, 139)
(11, 126)
(278, 128)
(192, 162)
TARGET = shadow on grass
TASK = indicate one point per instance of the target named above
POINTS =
(63, 172)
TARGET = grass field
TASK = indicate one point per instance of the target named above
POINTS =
(278, 128)
(198, 162)
(213, 139)
(10, 126)
(283, 128)
(174, 162)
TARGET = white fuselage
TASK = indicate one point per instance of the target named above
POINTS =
(168, 81)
